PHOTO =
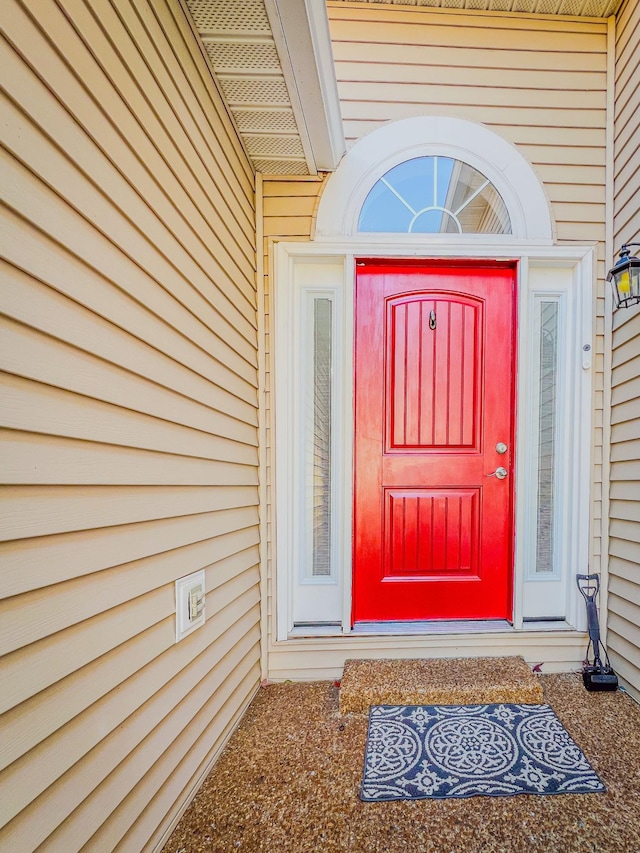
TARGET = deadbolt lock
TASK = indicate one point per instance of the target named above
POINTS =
(501, 447)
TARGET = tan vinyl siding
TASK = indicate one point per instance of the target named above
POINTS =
(624, 525)
(624, 512)
(323, 659)
(541, 83)
(129, 440)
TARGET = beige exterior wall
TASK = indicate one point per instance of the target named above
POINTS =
(542, 84)
(624, 531)
(129, 350)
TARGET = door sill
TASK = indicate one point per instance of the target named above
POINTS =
(425, 629)
(467, 626)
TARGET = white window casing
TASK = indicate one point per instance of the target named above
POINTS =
(313, 596)
(373, 155)
(552, 594)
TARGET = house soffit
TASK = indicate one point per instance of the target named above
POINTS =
(272, 60)
(580, 8)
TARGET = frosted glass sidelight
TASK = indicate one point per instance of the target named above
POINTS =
(322, 368)
(547, 417)
(434, 195)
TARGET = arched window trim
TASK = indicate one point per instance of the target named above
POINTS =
(393, 143)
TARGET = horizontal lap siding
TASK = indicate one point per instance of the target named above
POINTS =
(129, 422)
(540, 83)
(325, 659)
(624, 531)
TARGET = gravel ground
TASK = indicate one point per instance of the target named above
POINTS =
(289, 778)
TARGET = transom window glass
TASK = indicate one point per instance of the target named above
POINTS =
(434, 195)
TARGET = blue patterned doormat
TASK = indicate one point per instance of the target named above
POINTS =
(441, 751)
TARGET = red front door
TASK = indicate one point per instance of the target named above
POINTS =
(434, 359)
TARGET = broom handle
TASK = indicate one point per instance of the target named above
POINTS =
(589, 592)
(594, 630)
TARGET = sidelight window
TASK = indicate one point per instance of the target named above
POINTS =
(547, 391)
(319, 432)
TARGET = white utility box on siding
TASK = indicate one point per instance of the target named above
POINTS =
(190, 604)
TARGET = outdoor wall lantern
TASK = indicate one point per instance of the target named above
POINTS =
(625, 278)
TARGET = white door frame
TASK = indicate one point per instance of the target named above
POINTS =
(572, 282)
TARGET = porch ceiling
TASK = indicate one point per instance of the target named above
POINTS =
(581, 8)
(273, 62)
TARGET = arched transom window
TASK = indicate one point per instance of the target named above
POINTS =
(434, 195)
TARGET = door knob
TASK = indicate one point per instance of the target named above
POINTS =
(500, 473)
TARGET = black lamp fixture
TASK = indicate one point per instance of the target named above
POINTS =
(625, 278)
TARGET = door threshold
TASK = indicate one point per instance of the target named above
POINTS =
(463, 626)
(426, 629)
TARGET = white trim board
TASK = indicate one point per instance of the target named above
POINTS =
(301, 33)
(334, 263)
(498, 160)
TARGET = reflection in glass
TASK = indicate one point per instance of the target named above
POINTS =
(434, 195)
